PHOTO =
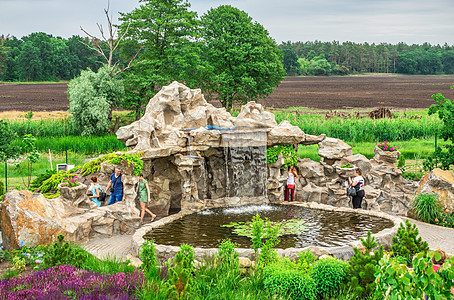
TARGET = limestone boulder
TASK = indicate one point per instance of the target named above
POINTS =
(359, 161)
(76, 196)
(311, 171)
(312, 139)
(36, 220)
(204, 137)
(285, 134)
(254, 115)
(439, 182)
(387, 157)
(331, 149)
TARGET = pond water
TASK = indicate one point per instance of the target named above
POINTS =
(326, 228)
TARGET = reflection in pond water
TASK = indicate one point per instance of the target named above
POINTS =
(326, 228)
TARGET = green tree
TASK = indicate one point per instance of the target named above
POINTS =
(7, 135)
(443, 158)
(35, 58)
(162, 33)
(92, 97)
(3, 57)
(31, 152)
(290, 62)
(243, 61)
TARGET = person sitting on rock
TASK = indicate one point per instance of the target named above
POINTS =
(116, 192)
(95, 191)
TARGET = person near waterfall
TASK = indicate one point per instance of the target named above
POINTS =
(144, 198)
(291, 183)
(358, 183)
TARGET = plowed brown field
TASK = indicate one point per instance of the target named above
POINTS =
(362, 91)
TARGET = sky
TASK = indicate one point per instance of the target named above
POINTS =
(389, 21)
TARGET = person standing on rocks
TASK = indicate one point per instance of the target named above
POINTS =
(358, 184)
(291, 183)
(144, 198)
(96, 190)
(116, 186)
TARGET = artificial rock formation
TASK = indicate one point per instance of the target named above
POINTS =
(196, 156)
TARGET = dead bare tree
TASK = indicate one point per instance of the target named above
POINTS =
(112, 42)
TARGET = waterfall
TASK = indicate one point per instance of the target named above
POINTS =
(246, 171)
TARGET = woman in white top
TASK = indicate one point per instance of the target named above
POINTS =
(358, 184)
(291, 183)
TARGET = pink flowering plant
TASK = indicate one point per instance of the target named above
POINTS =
(69, 282)
(70, 180)
(385, 146)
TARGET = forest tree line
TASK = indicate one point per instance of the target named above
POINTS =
(43, 57)
(335, 58)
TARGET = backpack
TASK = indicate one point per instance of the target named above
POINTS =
(102, 196)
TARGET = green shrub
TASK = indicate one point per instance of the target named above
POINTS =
(427, 207)
(306, 259)
(395, 281)
(38, 181)
(4, 255)
(180, 273)
(149, 261)
(53, 181)
(413, 175)
(281, 278)
(130, 158)
(361, 269)
(64, 254)
(94, 165)
(328, 274)
(406, 242)
(287, 151)
(227, 256)
(2, 188)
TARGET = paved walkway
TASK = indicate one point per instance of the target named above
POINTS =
(121, 246)
(438, 237)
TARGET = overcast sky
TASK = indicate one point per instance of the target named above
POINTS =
(392, 21)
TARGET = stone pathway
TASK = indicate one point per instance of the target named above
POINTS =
(119, 246)
(438, 237)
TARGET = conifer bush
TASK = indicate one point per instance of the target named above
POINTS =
(361, 269)
(406, 242)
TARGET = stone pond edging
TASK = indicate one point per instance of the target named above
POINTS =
(383, 237)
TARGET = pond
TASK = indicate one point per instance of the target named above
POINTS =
(326, 228)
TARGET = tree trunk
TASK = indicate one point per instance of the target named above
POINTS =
(117, 124)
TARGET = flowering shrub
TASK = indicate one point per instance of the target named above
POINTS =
(70, 181)
(387, 146)
(446, 218)
(68, 282)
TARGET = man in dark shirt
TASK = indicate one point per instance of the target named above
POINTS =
(116, 193)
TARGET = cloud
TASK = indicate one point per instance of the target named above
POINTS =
(410, 21)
